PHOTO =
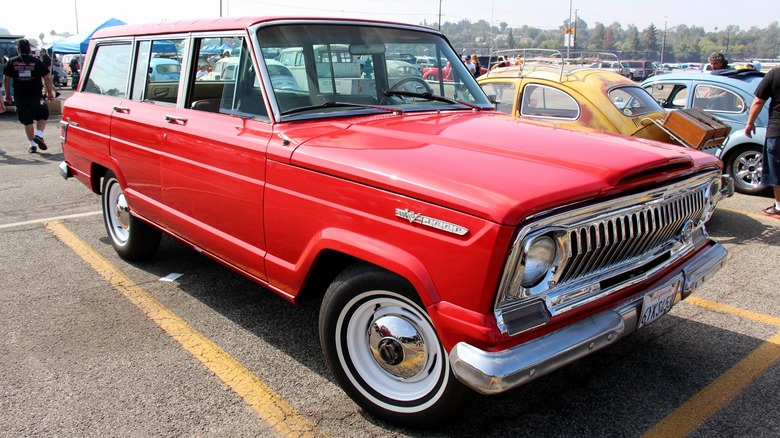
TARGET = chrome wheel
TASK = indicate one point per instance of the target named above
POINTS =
(131, 238)
(383, 348)
(117, 214)
(745, 166)
(392, 347)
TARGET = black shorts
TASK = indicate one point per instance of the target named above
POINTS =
(770, 166)
(32, 110)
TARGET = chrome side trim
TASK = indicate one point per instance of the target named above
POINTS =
(494, 372)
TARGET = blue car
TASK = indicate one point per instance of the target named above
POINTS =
(727, 95)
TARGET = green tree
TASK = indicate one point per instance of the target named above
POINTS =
(510, 39)
(597, 37)
(634, 44)
(650, 37)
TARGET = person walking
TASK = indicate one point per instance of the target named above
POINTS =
(2, 110)
(768, 90)
(28, 75)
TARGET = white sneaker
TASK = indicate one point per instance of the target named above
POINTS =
(2, 151)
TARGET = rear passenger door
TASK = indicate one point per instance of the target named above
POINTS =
(213, 162)
(138, 125)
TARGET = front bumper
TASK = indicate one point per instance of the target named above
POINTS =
(494, 372)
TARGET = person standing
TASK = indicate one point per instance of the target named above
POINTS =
(28, 75)
(74, 72)
(718, 62)
(769, 90)
(44, 55)
(2, 110)
(477, 66)
(470, 65)
(57, 70)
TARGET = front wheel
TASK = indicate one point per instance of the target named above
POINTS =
(383, 349)
(131, 238)
(744, 164)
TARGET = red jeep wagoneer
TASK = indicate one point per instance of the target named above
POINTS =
(455, 249)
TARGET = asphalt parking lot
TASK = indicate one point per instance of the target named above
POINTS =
(93, 345)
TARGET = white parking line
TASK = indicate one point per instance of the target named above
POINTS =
(49, 219)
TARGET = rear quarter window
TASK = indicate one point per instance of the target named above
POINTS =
(108, 73)
(546, 102)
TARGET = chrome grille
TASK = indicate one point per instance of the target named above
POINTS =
(610, 245)
(619, 239)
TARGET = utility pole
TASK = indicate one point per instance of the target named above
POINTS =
(76, 6)
(439, 15)
(663, 41)
(568, 37)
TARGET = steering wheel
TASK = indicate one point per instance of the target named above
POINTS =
(412, 84)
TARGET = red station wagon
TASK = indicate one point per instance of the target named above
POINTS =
(447, 260)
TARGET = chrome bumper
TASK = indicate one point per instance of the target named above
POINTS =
(494, 372)
(64, 170)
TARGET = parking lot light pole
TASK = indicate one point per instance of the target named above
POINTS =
(440, 15)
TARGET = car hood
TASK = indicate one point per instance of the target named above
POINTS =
(488, 164)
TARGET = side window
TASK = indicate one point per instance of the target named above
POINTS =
(714, 98)
(546, 102)
(108, 73)
(504, 95)
(669, 95)
(158, 66)
(225, 80)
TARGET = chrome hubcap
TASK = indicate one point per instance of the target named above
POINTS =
(122, 211)
(397, 346)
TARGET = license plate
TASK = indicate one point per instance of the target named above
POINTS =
(658, 302)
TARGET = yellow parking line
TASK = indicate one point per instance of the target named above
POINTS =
(722, 390)
(724, 308)
(719, 393)
(271, 407)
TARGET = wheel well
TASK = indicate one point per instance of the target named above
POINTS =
(97, 173)
(326, 267)
(738, 148)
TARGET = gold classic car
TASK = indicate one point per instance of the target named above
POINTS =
(568, 93)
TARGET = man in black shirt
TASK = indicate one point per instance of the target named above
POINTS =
(28, 75)
(769, 89)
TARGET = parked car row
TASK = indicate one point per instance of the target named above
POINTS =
(599, 98)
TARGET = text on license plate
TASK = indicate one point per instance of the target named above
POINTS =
(658, 302)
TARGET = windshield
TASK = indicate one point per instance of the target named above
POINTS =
(350, 69)
(633, 101)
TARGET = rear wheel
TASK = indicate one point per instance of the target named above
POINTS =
(131, 238)
(383, 349)
(744, 165)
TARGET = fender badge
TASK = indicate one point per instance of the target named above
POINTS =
(439, 224)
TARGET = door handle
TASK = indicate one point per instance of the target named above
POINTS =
(176, 120)
(122, 109)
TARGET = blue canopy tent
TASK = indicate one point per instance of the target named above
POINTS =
(79, 43)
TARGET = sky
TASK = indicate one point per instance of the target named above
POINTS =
(79, 16)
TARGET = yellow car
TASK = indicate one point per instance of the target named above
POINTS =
(575, 97)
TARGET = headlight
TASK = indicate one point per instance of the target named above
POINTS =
(539, 257)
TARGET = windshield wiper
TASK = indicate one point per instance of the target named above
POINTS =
(340, 105)
(428, 96)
